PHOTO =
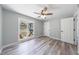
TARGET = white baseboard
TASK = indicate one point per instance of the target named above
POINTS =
(0, 50)
(14, 43)
(55, 38)
(5, 46)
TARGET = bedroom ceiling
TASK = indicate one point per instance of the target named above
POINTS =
(58, 10)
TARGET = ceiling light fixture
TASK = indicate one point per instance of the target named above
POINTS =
(44, 13)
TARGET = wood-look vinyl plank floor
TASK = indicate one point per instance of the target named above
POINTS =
(42, 46)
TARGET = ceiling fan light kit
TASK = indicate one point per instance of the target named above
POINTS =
(44, 13)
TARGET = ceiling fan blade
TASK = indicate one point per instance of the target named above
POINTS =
(45, 9)
(37, 13)
(49, 14)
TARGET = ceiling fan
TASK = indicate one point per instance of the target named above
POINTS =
(44, 12)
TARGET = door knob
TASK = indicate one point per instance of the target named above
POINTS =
(61, 31)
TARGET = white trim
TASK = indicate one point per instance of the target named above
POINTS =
(0, 50)
(60, 39)
(28, 39)
(9, 45)
(78, 50)
(55, 38)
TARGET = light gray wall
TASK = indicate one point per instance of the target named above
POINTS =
(0, 27)
(39, 28)
(46, 28)
(10, 26)
(54, 29)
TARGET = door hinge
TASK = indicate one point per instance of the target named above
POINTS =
(73, 29)
(74, 19)
(74, 39)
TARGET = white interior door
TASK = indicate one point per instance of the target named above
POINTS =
(67, 30)
(78, 32)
